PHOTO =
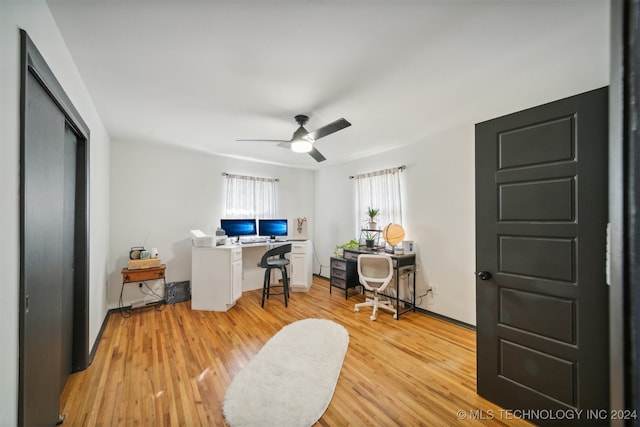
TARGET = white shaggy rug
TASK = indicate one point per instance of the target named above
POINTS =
(290, 381)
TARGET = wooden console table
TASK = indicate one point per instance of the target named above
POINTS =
(141, 275)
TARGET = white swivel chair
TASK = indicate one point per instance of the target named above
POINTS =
(375, 273)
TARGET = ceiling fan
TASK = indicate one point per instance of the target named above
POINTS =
(302, 140)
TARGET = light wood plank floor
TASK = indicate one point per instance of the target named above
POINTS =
(172, 366)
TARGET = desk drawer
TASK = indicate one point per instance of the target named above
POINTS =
(338, 264)
(342, 274)
(351, 256)
(236, 254)
(298, 248)
(338, 282)
(143, 274)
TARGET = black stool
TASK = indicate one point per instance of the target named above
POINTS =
(280, 263)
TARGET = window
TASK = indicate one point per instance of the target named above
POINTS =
(379, 190)
(250, 197)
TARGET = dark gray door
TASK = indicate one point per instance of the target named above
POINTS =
(541, 292)
(49, 200)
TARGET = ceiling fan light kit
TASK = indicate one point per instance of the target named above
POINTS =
(301, 146)
(302, 140)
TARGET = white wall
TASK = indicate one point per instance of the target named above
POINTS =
(34, 17)
(163, 192)
(438, 210)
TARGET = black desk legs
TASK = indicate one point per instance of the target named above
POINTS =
(408, 271)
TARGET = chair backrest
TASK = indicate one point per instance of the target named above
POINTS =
(375, 271)
(277, 251)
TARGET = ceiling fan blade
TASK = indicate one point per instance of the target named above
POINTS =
(262, 140)
(328, 129)
(316, 155)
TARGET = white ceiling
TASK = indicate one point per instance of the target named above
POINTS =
(201, 74)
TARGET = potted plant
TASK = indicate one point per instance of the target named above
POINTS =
(373, 213)
(352, 244)
(370, 238)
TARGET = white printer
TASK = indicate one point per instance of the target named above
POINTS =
(199, 239)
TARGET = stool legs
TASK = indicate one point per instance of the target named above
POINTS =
(266, 285)
(285, 285)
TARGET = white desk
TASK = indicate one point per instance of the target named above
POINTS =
(220, 274)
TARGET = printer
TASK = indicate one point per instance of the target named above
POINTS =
(201, 240)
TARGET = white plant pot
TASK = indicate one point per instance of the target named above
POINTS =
(373, 225)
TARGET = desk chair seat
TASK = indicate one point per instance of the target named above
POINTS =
(269, 262)
(375, 273)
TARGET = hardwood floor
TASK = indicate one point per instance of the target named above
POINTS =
(172, 366)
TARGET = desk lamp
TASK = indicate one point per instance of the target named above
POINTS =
(393, 234)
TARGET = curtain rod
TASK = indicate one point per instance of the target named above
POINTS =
(229, 175)
(400, 168)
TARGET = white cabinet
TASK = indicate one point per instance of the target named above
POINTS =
(236, 275)
(218, 273)
(301, 266)
(216, 277)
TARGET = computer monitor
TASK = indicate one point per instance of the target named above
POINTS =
(239, 227)
(273, 227)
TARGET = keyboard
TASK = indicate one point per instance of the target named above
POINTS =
(248, 242)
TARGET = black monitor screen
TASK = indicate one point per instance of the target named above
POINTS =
(273, 227)
(239, 227)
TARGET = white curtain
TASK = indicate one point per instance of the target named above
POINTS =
(250, 197)
(378, 190)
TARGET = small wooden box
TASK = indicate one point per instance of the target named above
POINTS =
(135, 264)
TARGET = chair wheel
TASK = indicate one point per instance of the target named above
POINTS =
(395, 316)
(372, 317)
(356, 309)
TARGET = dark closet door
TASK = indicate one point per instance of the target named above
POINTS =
(48, 202)
(542, 297)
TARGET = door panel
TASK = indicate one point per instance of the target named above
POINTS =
(541, 257)
(537, 143)
(541, 201)
(549, 200)
(543, 315)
